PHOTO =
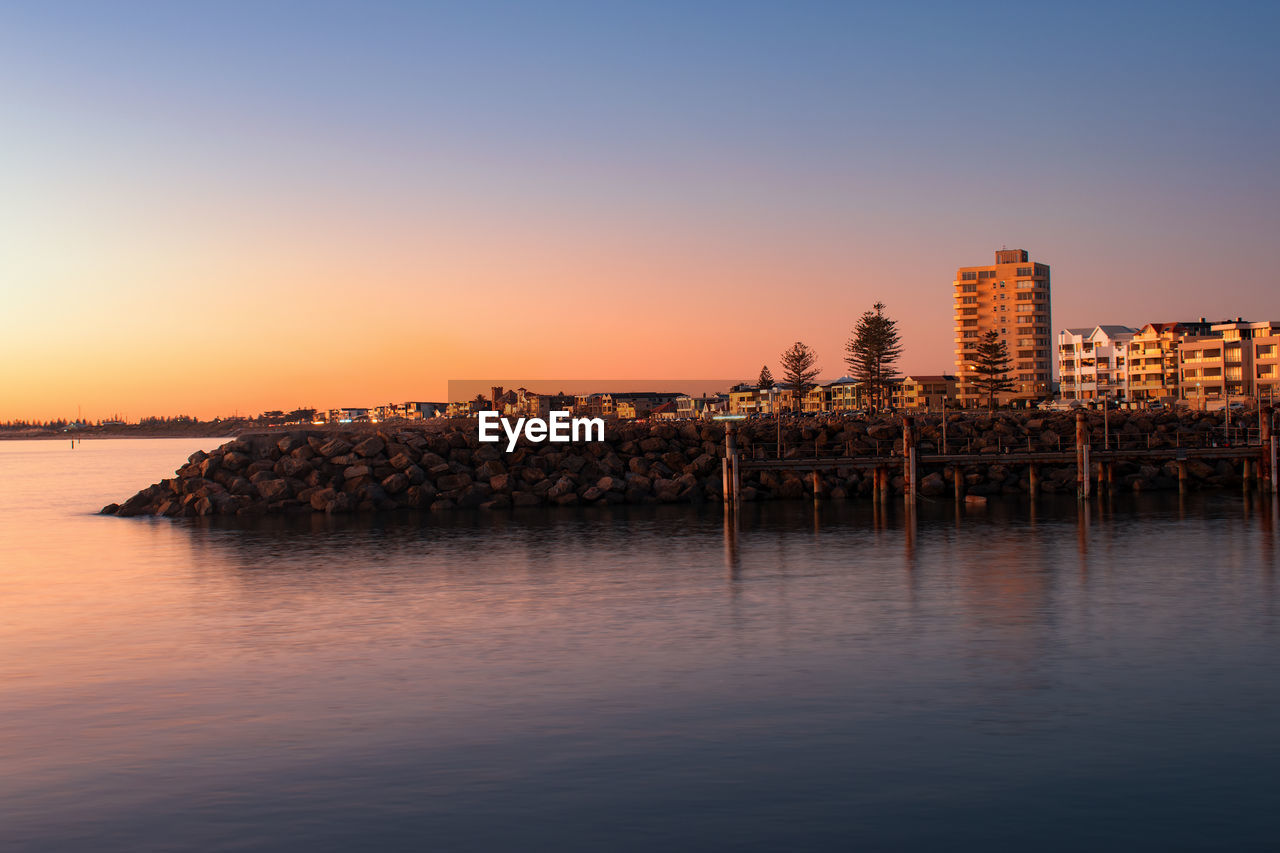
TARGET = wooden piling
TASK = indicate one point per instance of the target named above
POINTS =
(1182, 476)
(1082, 457)
(737, 480)
(1275, 470)
(957, 477)
(908, 460)
(731, 451)
(1033, 479)
(1266, 462)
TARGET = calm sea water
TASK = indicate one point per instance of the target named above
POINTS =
(632, 679)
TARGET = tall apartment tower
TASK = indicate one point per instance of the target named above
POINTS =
(1011, 298)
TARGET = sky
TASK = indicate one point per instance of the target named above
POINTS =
(233, 207)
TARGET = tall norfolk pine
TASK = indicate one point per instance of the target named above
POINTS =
(990, 370)
(873, 353)
(799, 372)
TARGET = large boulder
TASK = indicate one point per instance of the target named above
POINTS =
(371, 446)
(449, 482)
(562, 487)
(334, 447)
(395, 483)
(273, 490)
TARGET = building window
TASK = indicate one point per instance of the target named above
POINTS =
(968, 288)
(1024, 271)
(986, 274)
(968, 276)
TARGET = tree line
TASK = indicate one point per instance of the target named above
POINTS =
(872, 354)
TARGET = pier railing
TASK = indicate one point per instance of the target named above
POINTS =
(1235, 437)
(1090, 452)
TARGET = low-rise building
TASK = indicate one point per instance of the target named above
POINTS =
(356, 414)
(1266, 365)
(1153, 373)
(928, 392)
(708, 405)
(816, 400)
(1092, 361)
(844, 395)
(635, 404)
(464, 408)
(755, 400)
(1225, 363)
(744, 400)
(589, 405)
(1201, 366)
(418, 411)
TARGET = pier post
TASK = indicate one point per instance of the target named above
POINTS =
(957, 480)
(908, 460)
(730, 468)
(817, 487)
(1246, 473)
(1033, 480)
(724, 478)
(1088, 471)
(1267, 459)
(1082, 458)
(1275, 472)
(737, 481)
(1182, 476)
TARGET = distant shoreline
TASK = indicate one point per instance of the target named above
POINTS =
(44, 435)
(205, 430)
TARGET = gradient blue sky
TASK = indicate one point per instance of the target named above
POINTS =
(343, 204)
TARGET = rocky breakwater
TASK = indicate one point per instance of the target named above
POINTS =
(339, 472)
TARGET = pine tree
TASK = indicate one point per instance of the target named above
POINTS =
(766, 378)
(990, 370)
(798, 372)
(873, 352)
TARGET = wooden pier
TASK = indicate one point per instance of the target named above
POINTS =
(1093, 465)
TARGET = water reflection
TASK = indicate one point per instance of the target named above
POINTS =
(872, 675)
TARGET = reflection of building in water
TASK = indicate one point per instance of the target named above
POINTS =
(1007, 592)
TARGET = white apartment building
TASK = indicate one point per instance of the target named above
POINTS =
(1091, 362)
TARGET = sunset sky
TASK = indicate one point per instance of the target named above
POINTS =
(247, 206)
